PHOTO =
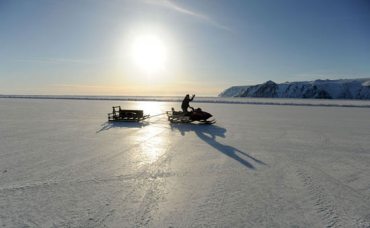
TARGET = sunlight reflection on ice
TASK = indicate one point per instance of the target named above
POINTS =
(151, 140)
(152, 150)
(151, 108)
(153, 146)
(154, 140)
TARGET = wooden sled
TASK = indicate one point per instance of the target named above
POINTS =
(125, 115)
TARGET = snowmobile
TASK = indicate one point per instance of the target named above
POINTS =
(124, 115)
(196, 115)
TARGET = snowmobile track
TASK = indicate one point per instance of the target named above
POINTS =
(154, 176)
(324, 201)
(324, 206)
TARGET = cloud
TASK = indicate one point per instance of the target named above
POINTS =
(172, 6)
(54, 60)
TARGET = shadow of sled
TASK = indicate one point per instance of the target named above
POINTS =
(208, 134)
(109, 124)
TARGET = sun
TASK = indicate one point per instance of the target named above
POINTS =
(149, 53)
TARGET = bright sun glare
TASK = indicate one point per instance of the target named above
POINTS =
(149, 53)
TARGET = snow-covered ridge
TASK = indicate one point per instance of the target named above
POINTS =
(318, 89)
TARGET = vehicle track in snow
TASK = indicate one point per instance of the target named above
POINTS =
(222, 203)
(324, 192)
(76, 167)
(322, 202)
(148, 190)
(147, 186)
(154, 192)
(95, 160)
(66, 170)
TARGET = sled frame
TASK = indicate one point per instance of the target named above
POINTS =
(126, 115)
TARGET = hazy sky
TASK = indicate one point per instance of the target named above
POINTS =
(164, 47)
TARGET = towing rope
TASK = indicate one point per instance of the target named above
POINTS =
(157, 115)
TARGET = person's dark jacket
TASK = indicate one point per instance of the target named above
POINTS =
(185, 103)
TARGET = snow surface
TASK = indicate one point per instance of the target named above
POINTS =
(63, 165)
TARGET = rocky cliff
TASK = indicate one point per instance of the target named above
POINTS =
(324, 89)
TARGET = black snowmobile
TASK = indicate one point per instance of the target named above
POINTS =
(196, 115)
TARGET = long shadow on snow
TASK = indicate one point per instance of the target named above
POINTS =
(108, 125)
(208, 134)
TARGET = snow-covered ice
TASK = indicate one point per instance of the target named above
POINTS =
(63, 165)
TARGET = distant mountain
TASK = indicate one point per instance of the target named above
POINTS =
(318, 89)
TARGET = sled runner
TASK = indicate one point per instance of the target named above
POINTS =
(124, 115)
(196, 115)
